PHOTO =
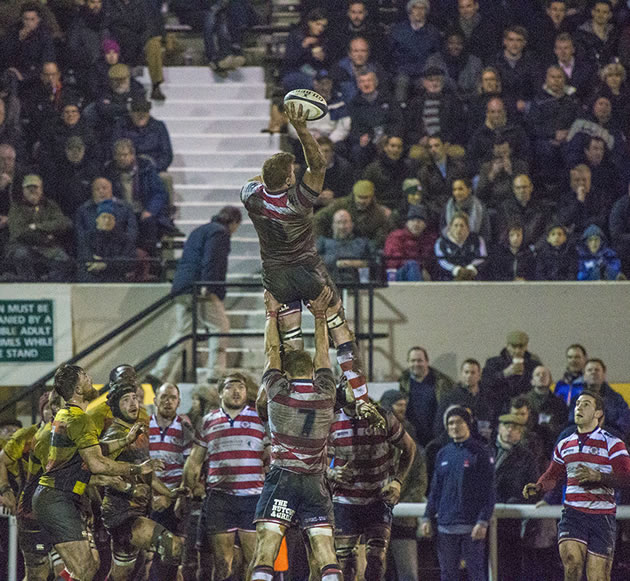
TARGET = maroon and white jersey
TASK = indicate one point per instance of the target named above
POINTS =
(600, 451)
(234, 451)
(370, 452)
(171, 445)
(283, 221)
(300, 414)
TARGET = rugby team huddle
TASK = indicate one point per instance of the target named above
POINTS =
(167, 499)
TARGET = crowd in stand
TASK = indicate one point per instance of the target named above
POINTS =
(470, 139)
(84, 193)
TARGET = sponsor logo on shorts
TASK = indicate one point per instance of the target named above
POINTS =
(281, 510)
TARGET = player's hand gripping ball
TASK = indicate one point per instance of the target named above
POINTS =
(312, 103)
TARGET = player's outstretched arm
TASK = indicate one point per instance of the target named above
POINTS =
(99, 464)
(318, 307)
(316, 171)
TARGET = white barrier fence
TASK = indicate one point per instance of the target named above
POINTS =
(403, 509)
(521, 511)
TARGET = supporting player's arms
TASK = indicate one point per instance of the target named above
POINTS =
(318, 307)
(391, 491)
(99, 464)
(261, 403)
(192, 467)
(273, 360)
(316, 171)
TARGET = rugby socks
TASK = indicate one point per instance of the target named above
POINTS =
(331, 573)
(263, 574)
(350, 363)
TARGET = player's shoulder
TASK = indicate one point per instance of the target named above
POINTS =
(249, 189)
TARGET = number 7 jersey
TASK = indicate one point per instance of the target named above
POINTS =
(300, 414)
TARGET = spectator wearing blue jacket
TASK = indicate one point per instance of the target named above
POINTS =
(461, 500)
(204, 258)
(596, 260)
(413, 41)
(570, 386)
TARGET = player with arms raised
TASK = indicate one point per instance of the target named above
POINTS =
(281, 209)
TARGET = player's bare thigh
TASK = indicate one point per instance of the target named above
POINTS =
(598, 567)
(573, 556)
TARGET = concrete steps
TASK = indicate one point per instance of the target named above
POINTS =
(224, 142)
(240, 106)
(221, 159)
(231, 177)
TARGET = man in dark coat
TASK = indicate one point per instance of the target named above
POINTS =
(204, 258)
(509, 373)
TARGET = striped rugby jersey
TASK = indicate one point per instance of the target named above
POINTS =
(370, 452)
(600, 451)
(300, 414)
(72, 430)
(171, 445)
(234, 451)
(283, 221)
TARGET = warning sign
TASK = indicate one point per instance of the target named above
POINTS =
(26, 331)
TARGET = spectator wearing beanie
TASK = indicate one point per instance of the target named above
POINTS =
(409, 250)
(461, 499)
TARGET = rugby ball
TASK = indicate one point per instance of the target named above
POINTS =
(313, 103)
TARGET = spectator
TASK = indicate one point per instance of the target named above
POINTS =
(580, 71)
(435, 111)
(373, 114)
(114, 103)
(605, 177)
(36, 229)
(346, 72)
(409, 250)
(597, 36)
(10, 133)
(497, 175)
(403, 545)
(28, 45)
(549, 412)
(356, 23)
(462, 512)
(55, 134)
(86, 218)
(98, 80)
(515, 466)
(413, 41)
(518, 69)
(149, 136)
(11, 174)
(598, 123)
(480, 33)
(72, 178)
(335, 124)
(204, 258)
(512, 259)
(572, 383)
(86, 40)
(521, 208)
(345, 254)
(556, 258)
(462, 69)
(583, 205)
(306, 51)
(370, 219)
(614, 86)
(338, 181)
(467, 394)
(389, 171)
(553, 111)
(495, 127)
(426, 388)
(489, 87)
(109, 251)
(616, 411)
(532, 438)
(464, 201)
(549, 27)
(136, 181)
(508, 374)
(443, 164)
(619, 226)
(127, 23)
(460, 252)
(596, 260)
(412, 197)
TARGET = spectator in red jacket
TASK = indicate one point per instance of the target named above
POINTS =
(409, 250)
